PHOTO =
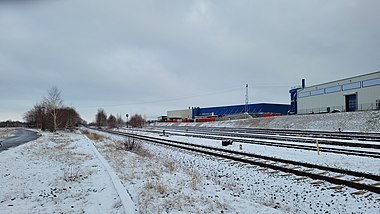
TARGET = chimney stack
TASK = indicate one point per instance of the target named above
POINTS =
(303, 83)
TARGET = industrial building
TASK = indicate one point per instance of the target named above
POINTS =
(357, 93)
(220, 111)
(180, 114)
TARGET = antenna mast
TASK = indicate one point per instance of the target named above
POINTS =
(246, 98)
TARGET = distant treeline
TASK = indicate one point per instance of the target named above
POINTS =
(10, 123)
(51, 114)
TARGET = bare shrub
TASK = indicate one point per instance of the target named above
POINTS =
(132, 145)
(71, 173)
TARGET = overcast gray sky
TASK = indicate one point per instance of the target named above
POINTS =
(151, 56)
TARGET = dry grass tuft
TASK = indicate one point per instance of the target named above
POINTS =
(170, 165)
(196, 179)
(71, 173)
(156, 186)
(62, 145)
(117, 205)
(93, 136)
(4, 132)
(85, 132)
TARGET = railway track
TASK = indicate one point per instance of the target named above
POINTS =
(331, 146)
(346, 135)
(339, 177)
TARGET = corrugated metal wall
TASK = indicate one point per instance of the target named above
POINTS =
(239, 109)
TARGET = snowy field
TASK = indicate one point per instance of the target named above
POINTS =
(64, 173)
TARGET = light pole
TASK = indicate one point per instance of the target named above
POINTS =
(127, 119)
(43, 118)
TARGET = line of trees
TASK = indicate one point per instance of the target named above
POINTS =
(137, 121)
(111, 121)
(101, 120)
(10, 123)
(51, 114)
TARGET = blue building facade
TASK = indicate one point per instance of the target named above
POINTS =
(258, 108)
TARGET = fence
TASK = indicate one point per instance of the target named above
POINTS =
(328, 109)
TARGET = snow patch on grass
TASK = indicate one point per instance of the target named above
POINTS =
(56, 173)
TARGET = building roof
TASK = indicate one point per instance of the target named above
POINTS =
(340, 80)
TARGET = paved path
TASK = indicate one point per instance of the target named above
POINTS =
(18, 137)
(125, 197)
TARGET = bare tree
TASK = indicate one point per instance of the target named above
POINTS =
(36, 116)
(111, 121)
(52, 114)
(30, 116)
(119, 121)
(53, 102)
(137, 121)
(69, 118)
(101, 118)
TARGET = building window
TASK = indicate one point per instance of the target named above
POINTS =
(371, 82)
(317, 92)
(333, 89)
(304, 94)
(350, 86)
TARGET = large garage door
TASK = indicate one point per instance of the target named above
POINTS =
(351, 102)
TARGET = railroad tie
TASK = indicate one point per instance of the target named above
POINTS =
(337, 187)
(298, 178)
(285, 174)
(357, 179)
(360, 192)
(316, 183)
(339, 176)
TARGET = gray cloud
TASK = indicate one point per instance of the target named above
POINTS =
(150, 56)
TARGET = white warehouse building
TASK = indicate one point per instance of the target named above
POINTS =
(357, 93)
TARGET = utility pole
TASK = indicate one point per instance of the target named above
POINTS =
(246, 99)
(126, 115)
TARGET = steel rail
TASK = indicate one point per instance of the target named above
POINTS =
(293, 132)
(201, 149)
(287, 145)
(288, 138)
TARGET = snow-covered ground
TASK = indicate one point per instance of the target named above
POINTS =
(354, 163)
(63, 173)
(364, 121)
(231, 187)
(57, 173)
